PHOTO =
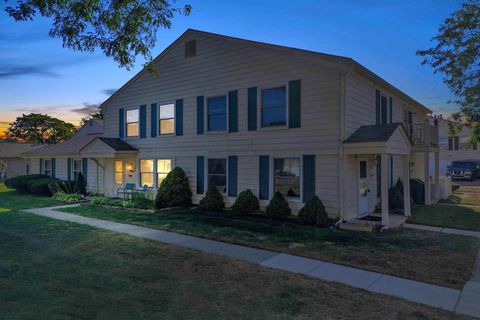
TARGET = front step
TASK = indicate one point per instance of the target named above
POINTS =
(361, 227)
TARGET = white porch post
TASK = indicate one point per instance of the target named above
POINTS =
(384, 188)
(427, 177)
(406, 185)
(437, 175)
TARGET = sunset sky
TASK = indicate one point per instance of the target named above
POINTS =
(38, 75)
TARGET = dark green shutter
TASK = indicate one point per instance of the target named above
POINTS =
(378, 107)
(391, 109)
(294, 103)
(200, 175)
(200, 114)
(233, 111)
(232, 176)
(53, 168)
(69, 168)
(143, 121)
(252, 109)
(179, 117)
(40, 166)
(85, 169)
(308, 177)
(153, 120)
(121, 123)
(264, 177)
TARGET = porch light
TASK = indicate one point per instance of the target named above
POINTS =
(130, 167)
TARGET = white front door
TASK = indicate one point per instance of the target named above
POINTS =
(364, 190)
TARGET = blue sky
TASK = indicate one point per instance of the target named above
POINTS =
(38, 75)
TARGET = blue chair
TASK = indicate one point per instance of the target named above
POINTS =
(127, 191)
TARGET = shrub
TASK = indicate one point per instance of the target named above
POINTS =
(314, 213)
(80, 184)
(278, 208)
(399, 185)
(67, 197)
(40, 186)
(140, 201)
(62, 187)
(20, 183)
(213, 200)
(455, 187)
(103, 201)
(395, 199)
(246, 202)
(174, 190)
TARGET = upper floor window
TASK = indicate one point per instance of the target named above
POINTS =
(76, 167)
(47, 167)
(132, 123)
(167, 119)
(217, 113)
(286, 176)
(274, 107)
(217, 174)
(146, 172)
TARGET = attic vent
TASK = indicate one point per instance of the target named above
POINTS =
(190, 48)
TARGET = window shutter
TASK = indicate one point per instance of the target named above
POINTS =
(294, 104)
(53, 168)
(378, 107)
(153, 120)
(121, 123)
(456, 143)
(264, 183)
(200, 175)
(200, 115)
(179, 117)
(232, 176)
(308, 177)
(450, 143)
(252, 109)
(85, 168)
(233, 111)
(69, 169)
(40, 166)
(143, 121)
(390, 111)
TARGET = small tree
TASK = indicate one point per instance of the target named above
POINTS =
(246, 202)
(213, 200)
(174, 190)
(278, 208)
(314, 213)
(80, 184)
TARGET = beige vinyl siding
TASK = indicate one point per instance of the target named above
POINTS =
(15, 167)
(61, 168)
(94, 177)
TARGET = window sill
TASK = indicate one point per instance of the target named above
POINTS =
(273, 128)
(216, 132)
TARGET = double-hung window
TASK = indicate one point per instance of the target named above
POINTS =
(217, 174)
(166, 119)
(164, 166)
(146, 172)
(132, 123)
(76, 167)
(118, 171)
(286, 176)
(274, 107)
(47, 168)
(217, 113)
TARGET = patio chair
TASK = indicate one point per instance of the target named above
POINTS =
(127, 191)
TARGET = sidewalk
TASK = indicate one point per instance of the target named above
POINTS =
(468, 233)
(465, 301)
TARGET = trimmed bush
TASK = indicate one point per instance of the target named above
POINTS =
(246, 202)
(103, 201)
(395, 199)
(278, 208)
(20, 183)
(41, 186)
(399, 185)
(174, 190)
(80, 184)
(314, 213)
(213, 200)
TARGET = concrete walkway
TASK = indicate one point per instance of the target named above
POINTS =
(460, 232)
(465, 301)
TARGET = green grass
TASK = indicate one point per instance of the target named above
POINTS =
(450, 216)
(10, 199)
(424, 256)
(464, 195)
(51, 269)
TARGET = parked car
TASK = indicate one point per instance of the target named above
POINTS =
(464, 169)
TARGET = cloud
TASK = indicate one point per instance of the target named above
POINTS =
(87, 108)
(13, 72)
(109, 92)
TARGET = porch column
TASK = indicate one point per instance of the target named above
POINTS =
(384, 188)
(427, 177)
(406, 185)
(437, 175)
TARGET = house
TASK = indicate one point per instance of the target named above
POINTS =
(11, 162)
(239, 114)
(453, 147)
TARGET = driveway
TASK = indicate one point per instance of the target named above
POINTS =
(466, 183)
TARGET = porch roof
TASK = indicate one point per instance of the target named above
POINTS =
(102, 147)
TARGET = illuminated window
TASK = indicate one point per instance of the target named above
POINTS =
(287, 176)
(164, 166)
(132, 123)
(146, 172)
(167, 119)
(118, 171)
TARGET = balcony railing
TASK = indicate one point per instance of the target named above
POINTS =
(423, 134)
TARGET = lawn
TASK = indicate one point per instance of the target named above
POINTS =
(424, 256)
(10, 200)
(465, 195)
(53, 269)
(451, 216)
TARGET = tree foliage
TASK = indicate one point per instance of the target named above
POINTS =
(92, 116)
(122, 29)
(40, 128)
(456, 55)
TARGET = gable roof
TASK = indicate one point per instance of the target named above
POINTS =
(15, 149)
(373, 133)
(71, 146)
(117, 144)
(344, 62)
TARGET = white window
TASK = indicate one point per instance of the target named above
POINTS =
(286, 176)
(118, 172)
(166, 119)
(47, 167)
(76, 167)
(274, 107)
(146, 172)
(132, 123)
(217, 174)
(164, 166)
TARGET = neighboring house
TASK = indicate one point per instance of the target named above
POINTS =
(239, 114)
(11, 162)
(457, 147)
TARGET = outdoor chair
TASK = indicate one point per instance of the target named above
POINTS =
(127, 191)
